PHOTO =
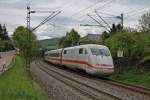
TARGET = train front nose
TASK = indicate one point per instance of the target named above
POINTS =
(101, 70)
(107, 70)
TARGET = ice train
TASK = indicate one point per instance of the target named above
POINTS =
(92, 58)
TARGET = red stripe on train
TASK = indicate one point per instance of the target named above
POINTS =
(80, 62)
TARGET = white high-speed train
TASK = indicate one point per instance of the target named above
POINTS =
(92, 58)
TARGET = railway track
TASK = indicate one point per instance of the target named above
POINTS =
(135, 88)
(135, 94)
(85, 89)
(138, 89)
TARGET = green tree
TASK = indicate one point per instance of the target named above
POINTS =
(1, 32)
(122, 41)
(5, 33)
(126, 43)
(144, 22)
(5, 42)
(26, 41)
(82, 41)
(74, 37)
(71, 39)
(106, 35)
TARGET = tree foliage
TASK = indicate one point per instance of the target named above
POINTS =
(144, 22)
(132, 44)
(106, 35)
(25, 40)
(71, 39)
(116, 29)
(135, 46)
(82, 41)
(3, 33)
(5, 41)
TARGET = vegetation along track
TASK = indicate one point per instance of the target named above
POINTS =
(85, 89)
(139, 89)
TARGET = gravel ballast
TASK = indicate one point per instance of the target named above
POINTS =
(55, 89)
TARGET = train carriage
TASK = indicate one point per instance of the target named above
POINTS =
(94, 59)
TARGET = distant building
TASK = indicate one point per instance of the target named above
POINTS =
(92, 37)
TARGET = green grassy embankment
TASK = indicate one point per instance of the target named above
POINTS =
(50, 43)
(132, 77)
(16, 84)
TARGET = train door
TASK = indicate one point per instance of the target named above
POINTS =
(87, 58)
(61, 56)
(83, 58)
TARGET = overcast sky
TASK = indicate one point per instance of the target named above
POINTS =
(73, 13)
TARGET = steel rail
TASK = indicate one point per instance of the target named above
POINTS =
(137, 89)
(83, 91)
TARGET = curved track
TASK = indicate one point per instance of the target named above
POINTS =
(131, 87)
(85, 89)
(91, 86)
(135, 88)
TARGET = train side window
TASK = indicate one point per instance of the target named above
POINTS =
(65, 51)
(81, 51)
(86, 52)
(57, 54)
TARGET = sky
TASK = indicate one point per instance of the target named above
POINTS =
(73, 15)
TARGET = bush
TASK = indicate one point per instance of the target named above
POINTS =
(134, 46)
(145, 63)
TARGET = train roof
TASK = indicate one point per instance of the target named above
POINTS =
(79, 46)
(53, 51)
(87, 45)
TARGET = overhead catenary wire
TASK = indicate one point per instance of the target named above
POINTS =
(91, 6)
(44, 20)
(103, 6)
(38, 11)
(102, 19)
(98, 22)
(86, 8)
(136, 13)
(52, 15)
(136, 10)
(87, 25)
(106, 13)
(64, 6)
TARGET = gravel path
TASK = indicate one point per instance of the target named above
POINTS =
(6, 57)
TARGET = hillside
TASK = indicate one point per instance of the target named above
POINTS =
(50, 43)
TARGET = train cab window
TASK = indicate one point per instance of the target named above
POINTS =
(102, 52)
(81, 51)
(65, 51)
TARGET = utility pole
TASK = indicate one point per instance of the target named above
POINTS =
(28, 53)
(122, 19)
(89, 25)
(28, 17)
(29, 46)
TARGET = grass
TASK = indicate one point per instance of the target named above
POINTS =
(132, 77)
(16, 84)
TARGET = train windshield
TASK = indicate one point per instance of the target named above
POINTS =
(103, 52)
